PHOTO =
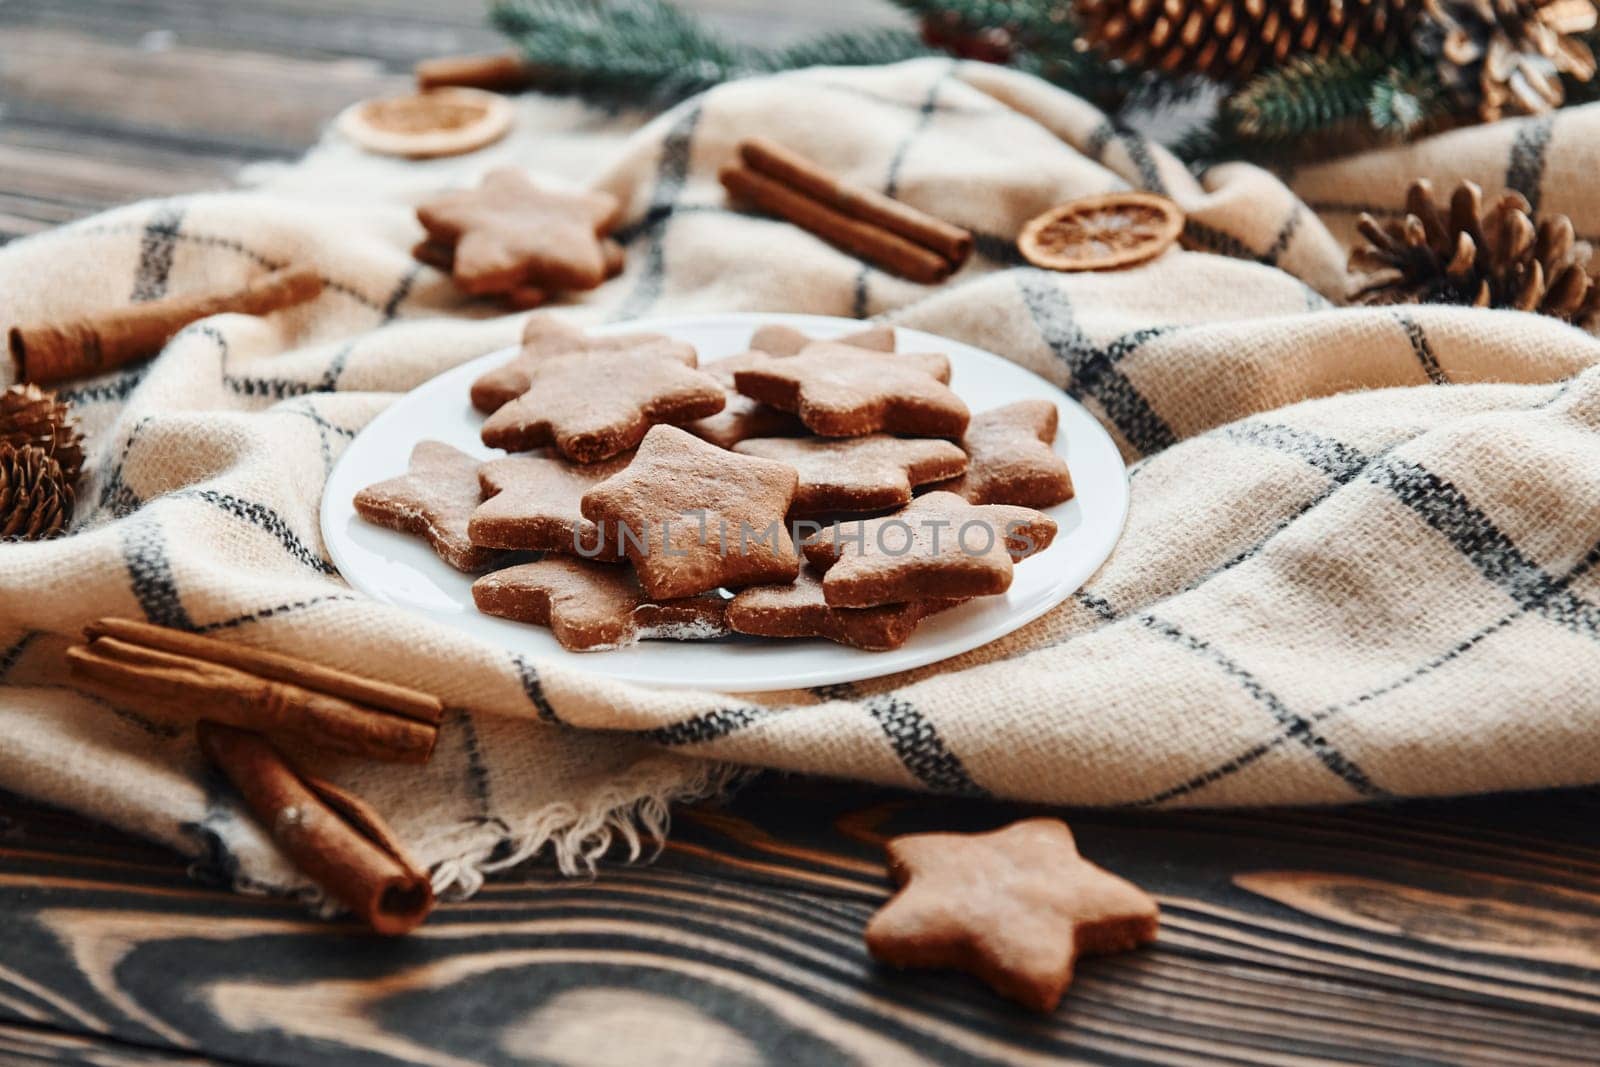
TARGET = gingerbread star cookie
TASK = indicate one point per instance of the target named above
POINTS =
(938, 546)
(1015, 907)
(594, 405)
(743, 418)
(532, 504)
(692, 517)
(858, 473)
(442, 257)
(592, 606)
(509, 232)
(799, 610)
(840, 390)
(434, 500)
(776, 339)
(1011, 458)
(544, 336)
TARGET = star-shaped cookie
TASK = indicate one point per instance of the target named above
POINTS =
(531, 503)
(596, 404)
(840, 390)
(938, 546)
(775, 339)
(544, 336)
(859, 473)
(799, 610)
(692, 517)
(1015, 907)
(509, 232)
(1011, 458)
(593, 606)
(434, 500)
(744, 418)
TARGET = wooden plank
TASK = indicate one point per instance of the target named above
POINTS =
(1469, 940)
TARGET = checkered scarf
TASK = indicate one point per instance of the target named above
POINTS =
(1360, 560)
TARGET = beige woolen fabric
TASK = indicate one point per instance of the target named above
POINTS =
(1359, 561)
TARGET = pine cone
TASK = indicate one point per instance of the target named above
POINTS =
(31, 416)
(1230, 39)
(1502, 258)
(1504, 56)
(35, 499)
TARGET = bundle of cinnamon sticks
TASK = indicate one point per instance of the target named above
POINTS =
(886, 232)
(248, 702)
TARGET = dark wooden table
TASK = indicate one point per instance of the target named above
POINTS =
(1441, 932)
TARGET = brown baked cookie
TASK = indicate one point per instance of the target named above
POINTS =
(596, 404)
(547, 335)
(442, 257)
(1011, 458)
(744, 418)
(434, 500)
(531, 503)
(938, 546)
(778, 340)
(859, 473)
(1014, 907)
(799, 610)
(590, 606)
(509, 233)
(693, 517)
(842, 391)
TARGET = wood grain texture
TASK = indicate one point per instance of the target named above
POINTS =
(1429, 932)
(1459, 932)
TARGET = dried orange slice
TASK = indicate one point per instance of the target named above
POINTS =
(1102, 232)
(440, 122)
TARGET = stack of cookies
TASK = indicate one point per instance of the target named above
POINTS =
(804, 488)
(519, 242)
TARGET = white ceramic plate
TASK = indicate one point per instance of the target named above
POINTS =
(404, 571)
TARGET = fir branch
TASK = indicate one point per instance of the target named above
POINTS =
(866, 48)
(1305, 97)
(650, 52)
(643, 49)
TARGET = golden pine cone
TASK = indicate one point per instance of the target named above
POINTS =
(1508, 56)
(1504, 257)
(31, 416)
(36, 500)
(1231, 39)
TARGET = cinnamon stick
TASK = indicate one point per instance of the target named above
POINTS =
(274, 665)
(772, 159)
(873, 243)
(46, 353)
(160, 682)
(503, 72)
(334, 837)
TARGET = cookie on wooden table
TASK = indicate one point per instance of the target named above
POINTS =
(546, 335)
(531, 503)
(509, 232)
(594, 606)
(841, 474)
(839, 390)
(1011, 460)
(433, 500)
(594, 405)
(692, 516)
(799, 610)
(1015, 907)
(939, 546)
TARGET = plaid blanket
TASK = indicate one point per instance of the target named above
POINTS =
(1360, 560)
